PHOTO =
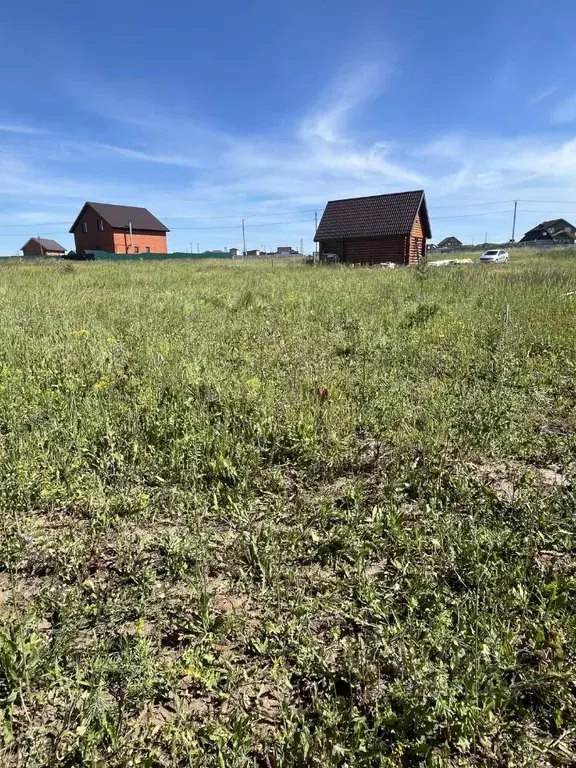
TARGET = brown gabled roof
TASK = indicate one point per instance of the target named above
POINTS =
(119, 217)
(47, 245)
(375, 216)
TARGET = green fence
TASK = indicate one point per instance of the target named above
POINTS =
(105, 256)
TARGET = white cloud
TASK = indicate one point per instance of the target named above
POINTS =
(21, 129)
(474, 179)
(342, 97)
(181, 161)
(564, 111)
(543, 94)
(324, 156)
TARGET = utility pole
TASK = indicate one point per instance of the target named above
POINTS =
(315, 230)
(197, 247)
(191, 249)
(244, 238)
(131, 244)
(514, 221)
(301, 246)
(485, 238)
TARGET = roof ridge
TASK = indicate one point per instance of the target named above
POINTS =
(118, 205)
(382, 194)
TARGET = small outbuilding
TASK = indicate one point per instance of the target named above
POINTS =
(378, 229)
(40, 246)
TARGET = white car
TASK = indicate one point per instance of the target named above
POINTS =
(495, 256)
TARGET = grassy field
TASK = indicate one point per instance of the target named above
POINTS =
(258, 515)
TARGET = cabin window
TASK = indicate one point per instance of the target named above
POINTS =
(147, 249)
(100, 225)
(85, 227)
(136, 249)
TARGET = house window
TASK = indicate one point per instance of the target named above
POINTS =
(85, 227)
(136, 249)
(100, 225)
(147, 249)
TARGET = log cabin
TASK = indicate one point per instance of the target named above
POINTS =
(378, 229)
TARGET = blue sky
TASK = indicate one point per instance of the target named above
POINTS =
(210, 112)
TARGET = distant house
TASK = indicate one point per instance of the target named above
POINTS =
(376, 229)
(286, 250)
(450, 242)
(555, 231)
(40, 246)
(235, 251)
(118, 229)
(255, 252)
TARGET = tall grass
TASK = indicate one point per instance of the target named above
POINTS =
(272, 515)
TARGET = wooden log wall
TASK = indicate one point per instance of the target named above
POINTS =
(367, 250)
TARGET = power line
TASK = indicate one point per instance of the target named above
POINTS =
(502, 202)
(29, 233)
(182, 229)
(280, 223)
(41, 224)
(254, 226)
(552, 202)
(311, 210)
(234, 216)
(176, 218)
(537, 210)
(34, 227)
(281, 213)
(196, 229)
(471, 205)
(464, 215)
(239, 226)
(261, 214)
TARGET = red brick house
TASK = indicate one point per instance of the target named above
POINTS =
(118, 229)
(376, 229)
(40, 246)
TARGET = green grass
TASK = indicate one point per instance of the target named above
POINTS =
(258, 515)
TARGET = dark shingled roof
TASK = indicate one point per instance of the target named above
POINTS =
(556, 224)
(47, 245)
(548, 230)
(375, 216)
(118, 217)
(447, 240)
